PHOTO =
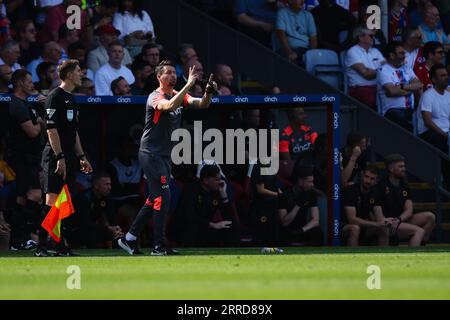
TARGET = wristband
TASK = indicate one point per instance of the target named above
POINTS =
(60, 156)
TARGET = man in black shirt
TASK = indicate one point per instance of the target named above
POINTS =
(395, 200)
(359, 217)
(23, 154)
(207, 216)
(95, 221)
(163, 116)
(294, 204)
(63, 152)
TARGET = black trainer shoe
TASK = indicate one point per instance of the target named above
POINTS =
(66, 252)
(172, 252)
(41, 252)
(158, 251)
(129, 246)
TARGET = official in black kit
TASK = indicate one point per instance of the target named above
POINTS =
(23, 154)
(63, 154)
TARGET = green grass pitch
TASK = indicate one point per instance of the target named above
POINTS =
(245, 273)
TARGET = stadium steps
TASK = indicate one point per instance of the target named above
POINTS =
(430, 206)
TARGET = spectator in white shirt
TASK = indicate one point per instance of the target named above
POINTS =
(112, 70)
(362, 62)
(396, 86)
(10, 54)
(412, 43)
(99, 56)
(434, 118)
(134, 24)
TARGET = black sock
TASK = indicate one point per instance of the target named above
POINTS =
(42, 232)
(18, 223)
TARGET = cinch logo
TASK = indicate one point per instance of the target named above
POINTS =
(336, 192)
(32, 99)
(336, 228)
(335, 120)
(123, 100)
(5, 99)
(239, 99)
(299, 99)
(94, 99)
(328, 99)
(336, 156)
(215, 100)
(270, 99)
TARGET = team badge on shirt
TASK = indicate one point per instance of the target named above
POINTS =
(69, 115)
(405, 193)
(215, 203)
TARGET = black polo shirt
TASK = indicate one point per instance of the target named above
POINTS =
(392, 198)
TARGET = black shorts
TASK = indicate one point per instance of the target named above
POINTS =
(27, 169)
(52, 181)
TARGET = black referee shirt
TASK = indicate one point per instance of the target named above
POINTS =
(62, 114)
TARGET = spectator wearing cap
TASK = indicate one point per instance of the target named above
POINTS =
(362, 62)
(135, 25)
(5, 78)
(10, 54)
(434, 54)
(296, 31)
(141, 71)
(120, 87)
(431, 31)
(26, 36)
(51, 53)
(112, 70)
(99, 56)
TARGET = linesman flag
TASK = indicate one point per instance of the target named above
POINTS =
(61, 209)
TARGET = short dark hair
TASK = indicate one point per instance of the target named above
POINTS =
(43, 67)
(301, 172)
(19, 75)
(165, 63)
(354, 138)
(21, 26)
(150, 46)
(66, 67)
(372, 168)
(115, 43)
(74, 47)
(434, 70)
(391, 48)
(431, 47)
(209, 171)
(138, 65)
(99, 175)
(115, 83)
(393, 158)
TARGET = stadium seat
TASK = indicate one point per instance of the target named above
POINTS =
(324, 64)
(342, 58)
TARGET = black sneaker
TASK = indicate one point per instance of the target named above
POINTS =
(158, 251)
(129, 246)
(66, 252)
(41, 252)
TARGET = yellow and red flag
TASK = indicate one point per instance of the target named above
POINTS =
(61, 209)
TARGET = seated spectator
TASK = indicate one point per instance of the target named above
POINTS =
(256, 18)
(151, 54)
(434, 54)
(355, 156)
(186, 52)
(87, 87)
(57, 16)
(10, 54)
(296, 31)
(5, 78)
(393, 197)
(26, 36)
(431, 31)
(362, 62)
(103, 13)
(433, 120)
(396, 86)
(120, 87)
(416, 15)
(331, 19)
(182, 80)
(141, 71)
(77, 51)
(65, 39)
(295, 204)
(112, 70)
(5, 34)
(51, 53)
(95, 221)
(360, 220)
(297, 137)
(48, 77)
(205, 214)
(223, 74)
(134, 23)
(99, 56)
(412, 43)
(398, 20)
